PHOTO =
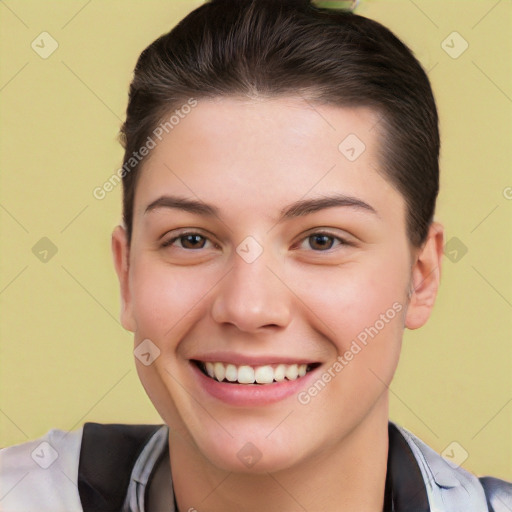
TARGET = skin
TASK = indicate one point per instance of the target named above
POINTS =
(250, 158)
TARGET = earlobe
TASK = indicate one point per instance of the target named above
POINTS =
(425, 278)
(121, 255)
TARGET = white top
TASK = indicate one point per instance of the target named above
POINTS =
(31, 472)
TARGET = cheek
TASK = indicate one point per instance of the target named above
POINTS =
(348, 299)
(166, 303)
(359, 308)
(166, 300)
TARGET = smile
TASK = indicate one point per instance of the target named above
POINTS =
(246, 374)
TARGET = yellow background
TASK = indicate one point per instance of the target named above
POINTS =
(65, 358)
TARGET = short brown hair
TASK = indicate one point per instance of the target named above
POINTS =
(278, 48)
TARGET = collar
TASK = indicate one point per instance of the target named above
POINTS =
(109, 455)
(405, 488)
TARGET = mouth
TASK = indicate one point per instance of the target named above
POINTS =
(262, 375)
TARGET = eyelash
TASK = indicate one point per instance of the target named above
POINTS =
(181, 236)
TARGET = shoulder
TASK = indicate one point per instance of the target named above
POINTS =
(92, 468)
(30, 472)
(449, 486)
(499, 494)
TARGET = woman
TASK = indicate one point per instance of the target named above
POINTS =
(280, 179)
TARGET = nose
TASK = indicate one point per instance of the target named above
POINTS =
(252, 296)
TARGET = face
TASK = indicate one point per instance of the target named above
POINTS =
(269, 268)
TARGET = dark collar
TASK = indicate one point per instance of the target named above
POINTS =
(107, 456)
(109, 451)
(405, 489)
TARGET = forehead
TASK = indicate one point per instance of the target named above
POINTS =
(266, 151)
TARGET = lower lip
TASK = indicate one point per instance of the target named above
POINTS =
(243, 395)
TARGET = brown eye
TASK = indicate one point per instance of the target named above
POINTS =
(193, 241)
(189, 241)
(321, 242)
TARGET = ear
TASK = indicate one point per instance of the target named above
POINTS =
(121, 254)
(425, 278)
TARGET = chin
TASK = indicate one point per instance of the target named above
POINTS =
(253, 456)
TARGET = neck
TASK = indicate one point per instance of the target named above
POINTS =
(349, 474)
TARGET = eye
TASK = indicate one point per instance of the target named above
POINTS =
(189, 241)
(322, 242)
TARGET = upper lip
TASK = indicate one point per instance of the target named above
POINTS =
(250, 360)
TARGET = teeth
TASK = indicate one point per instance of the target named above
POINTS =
(209, 369)
(264, 375)
(245, 375)
(231, 373)
(249, 375)
(220, 371)
(292, 372)
(280, 372)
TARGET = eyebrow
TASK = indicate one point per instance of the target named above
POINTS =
(308, 206)
(182, 203)
(297, 209)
